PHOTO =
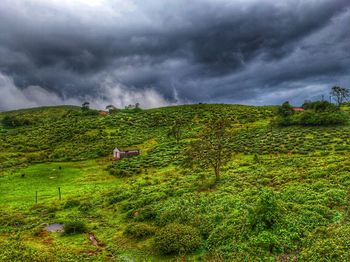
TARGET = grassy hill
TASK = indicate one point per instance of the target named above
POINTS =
(284, 196)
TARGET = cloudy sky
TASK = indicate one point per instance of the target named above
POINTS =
(171, 51)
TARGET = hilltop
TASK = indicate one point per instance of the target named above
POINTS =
(283, 195)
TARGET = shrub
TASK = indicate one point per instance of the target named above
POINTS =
(285, 110)
(139, 230)
(119, 172)
(177, 239)
(71, 203)
(320, 106)
(74, 227)
(13, 121)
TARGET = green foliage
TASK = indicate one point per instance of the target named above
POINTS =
(318, 113)
(74, 226)
(139, 230)
(325, 118)
(285, 110)
(177, 239)
(320, 106)
(15, 250)
(210, 149)
(266, 212)
(14, 121)
(328, 244)
(283, 195)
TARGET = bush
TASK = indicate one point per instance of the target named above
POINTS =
(320, 106)
(74, 227)
(13, 121)
(119, 172)
(177, 239)
(71, 203)
(139, 230)
(312, 118)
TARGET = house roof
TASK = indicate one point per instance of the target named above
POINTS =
(126, 149)
(298, 109)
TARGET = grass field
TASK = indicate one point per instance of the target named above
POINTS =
(284, 196)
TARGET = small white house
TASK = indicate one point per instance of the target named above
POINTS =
(118, 153)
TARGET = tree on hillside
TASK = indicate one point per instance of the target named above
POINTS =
(285, 110)
(111, 109)
(85, 106)
(340, 94)
(210, 150)
(176, 130)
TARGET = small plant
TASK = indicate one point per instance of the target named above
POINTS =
(74, 227)
(177, 239)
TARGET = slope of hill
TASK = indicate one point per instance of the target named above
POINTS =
(283, 196)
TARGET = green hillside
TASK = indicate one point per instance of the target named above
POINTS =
(283, 196)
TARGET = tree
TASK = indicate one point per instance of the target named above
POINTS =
(340, 94)
(111, 109)
(176, 130)
(85, 106)
(285, 110)
(210, 149)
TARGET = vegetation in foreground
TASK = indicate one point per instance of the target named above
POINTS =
(282, 195)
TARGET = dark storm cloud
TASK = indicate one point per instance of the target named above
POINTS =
(214, 51)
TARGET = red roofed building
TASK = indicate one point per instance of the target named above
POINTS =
(298, 109)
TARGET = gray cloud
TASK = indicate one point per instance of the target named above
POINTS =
(201, 50)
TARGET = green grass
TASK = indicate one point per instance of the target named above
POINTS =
(75, 179)
(284, 194)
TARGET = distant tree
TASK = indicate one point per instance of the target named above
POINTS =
(111, 109)
(340, 94)
(85, 106)
(8, 121)
(176, 130)
(137, 105)
(211, 149)
(285, 110)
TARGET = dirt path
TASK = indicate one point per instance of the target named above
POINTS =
(95, 242)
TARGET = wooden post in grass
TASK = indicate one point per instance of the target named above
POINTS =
(59, 193)
(36, 197)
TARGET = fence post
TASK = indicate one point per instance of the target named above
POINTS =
(59, 193)
(36, 197)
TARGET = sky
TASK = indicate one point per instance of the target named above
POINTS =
(160, 53)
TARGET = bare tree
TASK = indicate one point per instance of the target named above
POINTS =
(211, 149)
(340, 94)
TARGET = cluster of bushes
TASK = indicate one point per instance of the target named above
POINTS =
(319, 113)
(15, 121)
(177, 239)
(139, 230)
